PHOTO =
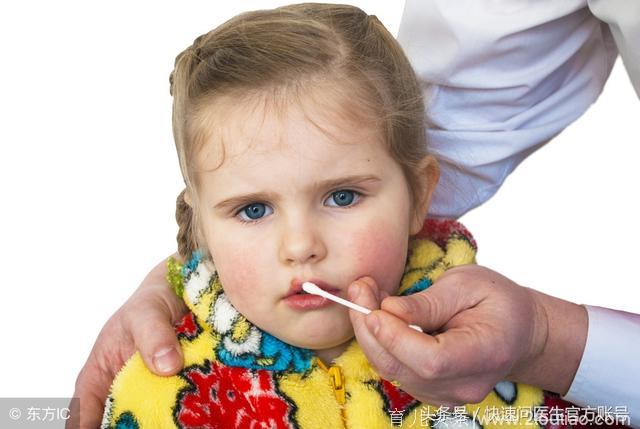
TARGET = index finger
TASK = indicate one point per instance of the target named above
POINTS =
(457, 352)
(92, 389)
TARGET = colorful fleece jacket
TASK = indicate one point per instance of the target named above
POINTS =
(238, 376)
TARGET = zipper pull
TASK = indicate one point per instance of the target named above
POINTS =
(337, 379)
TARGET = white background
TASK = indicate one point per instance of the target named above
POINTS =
(89, 178)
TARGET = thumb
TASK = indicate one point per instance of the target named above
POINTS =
(430, 309)
(155, 337)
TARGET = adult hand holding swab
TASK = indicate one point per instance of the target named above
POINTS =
(315, 290)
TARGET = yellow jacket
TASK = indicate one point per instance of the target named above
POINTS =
(238, 376)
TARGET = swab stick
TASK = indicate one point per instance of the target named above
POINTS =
(315, 290)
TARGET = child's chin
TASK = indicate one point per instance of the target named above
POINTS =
(318, 344)
(315, 335)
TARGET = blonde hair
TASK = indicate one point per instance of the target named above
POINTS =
(293, 47)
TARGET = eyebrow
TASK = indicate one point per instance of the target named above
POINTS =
(325, 184)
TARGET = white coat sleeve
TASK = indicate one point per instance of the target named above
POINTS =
(623, 18)
(501, 78)
(609, 372)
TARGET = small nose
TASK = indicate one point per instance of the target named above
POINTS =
(301, 243)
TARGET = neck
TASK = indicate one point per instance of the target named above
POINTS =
(328, 355)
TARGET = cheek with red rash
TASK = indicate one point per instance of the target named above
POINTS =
(237, 276)
(379, 250)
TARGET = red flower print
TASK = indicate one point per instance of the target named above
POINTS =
(231, 397)
(188, 327)
(396, 400)
(441, 230)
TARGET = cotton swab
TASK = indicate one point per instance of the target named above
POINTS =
(315, 290)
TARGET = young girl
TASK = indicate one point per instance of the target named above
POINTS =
(300, 138)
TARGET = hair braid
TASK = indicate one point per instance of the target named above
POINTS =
(184, 217)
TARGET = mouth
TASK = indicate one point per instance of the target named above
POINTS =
(299, 300)
(296, 287)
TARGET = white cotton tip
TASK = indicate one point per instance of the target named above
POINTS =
(309, 287)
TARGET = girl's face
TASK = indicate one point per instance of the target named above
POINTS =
(289, 203)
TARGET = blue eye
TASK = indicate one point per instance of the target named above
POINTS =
(343, 198)
(254, 211)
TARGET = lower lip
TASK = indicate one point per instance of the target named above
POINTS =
(307, 302)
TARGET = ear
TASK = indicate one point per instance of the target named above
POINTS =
(428, 175)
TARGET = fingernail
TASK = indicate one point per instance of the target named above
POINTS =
(166, 359)
(354, 291)
(373, 323)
